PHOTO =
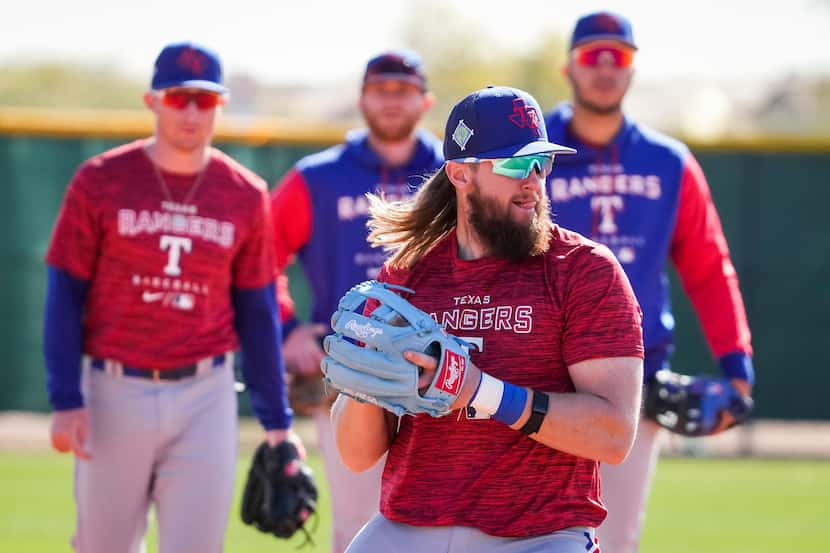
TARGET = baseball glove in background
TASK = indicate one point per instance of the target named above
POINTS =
(378, 372)
(693, 405)
(280, 493)
(309, 393)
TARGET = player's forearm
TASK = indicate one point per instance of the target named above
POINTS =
(361, 432)
(720, 309)
(257, 324)
(286, 303)
(586, 425)
(596, 421)
(701, 256)
(62, 338)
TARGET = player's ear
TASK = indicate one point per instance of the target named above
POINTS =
(567, 72)
(428, 101)
(460, 174)
(223, 101)
(150, 100)
(361, 97)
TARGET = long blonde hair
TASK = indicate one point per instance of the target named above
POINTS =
(409, 229)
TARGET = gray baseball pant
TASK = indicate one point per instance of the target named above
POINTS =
(355, 497)
(625, 490)
(382, 534)
(170, 444)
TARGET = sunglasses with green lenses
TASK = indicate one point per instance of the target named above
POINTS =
(519, 167)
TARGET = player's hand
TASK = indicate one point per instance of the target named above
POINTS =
(276, 437)
(302, 352)
(69, 431)
(429, 365)
(726, 419)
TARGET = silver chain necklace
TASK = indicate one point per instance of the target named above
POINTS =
(163, 184)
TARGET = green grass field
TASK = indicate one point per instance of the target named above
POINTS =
(698, 505)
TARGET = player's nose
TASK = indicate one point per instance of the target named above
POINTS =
(191, 111)
(533, 183)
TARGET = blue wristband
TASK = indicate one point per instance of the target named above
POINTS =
(738, 365)
(512, 404)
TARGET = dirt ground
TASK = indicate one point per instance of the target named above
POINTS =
(761, 438)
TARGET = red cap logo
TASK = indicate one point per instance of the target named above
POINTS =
(193, 61)
(607, 22)
(525, 116)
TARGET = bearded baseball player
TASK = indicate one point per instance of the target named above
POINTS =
(320, 214)
(644, 195)
(537, 379)
(159, 268)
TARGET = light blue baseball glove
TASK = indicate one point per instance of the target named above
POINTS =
(378, 373)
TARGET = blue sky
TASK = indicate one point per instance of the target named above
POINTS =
(316, 41)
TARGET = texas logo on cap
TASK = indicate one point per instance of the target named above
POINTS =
(525, 116)
(192, 60)
(497, 122)
(607, 22)
(190, 65)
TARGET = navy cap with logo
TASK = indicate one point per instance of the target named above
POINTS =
(396, 65)
(602, 26)
(186, 64)
(497, 122)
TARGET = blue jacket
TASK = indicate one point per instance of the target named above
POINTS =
(320, 211)
(645, 197)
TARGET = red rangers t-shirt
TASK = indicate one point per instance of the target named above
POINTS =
(530, 321)
(161, 266)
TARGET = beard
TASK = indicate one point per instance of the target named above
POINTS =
(593, 107)
(504, 237)
(391, 132)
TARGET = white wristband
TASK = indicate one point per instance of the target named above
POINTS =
(489, 394)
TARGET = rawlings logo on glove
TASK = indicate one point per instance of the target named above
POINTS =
(378, 373)
(451, 375)
(363, 331)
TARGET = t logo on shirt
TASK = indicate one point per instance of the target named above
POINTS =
(175, 244)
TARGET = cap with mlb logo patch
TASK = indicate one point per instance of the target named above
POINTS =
(497, 122)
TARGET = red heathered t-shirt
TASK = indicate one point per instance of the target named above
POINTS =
(161, 272)
(530, 320)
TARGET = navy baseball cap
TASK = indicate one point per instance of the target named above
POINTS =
(187, 64)
(602, 26)
(497, 122)
(396, 65)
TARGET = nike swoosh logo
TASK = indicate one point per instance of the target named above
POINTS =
(150, 297)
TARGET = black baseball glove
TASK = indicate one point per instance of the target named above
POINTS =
(280, 493)
(693, 405)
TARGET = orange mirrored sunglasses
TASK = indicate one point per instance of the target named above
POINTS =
(592, 54)
(180, 99)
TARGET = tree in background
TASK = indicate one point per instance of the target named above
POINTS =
(460, 57)
(794, 106)
(68, 85)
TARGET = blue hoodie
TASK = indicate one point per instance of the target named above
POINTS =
(320, 211)
(645, 197)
